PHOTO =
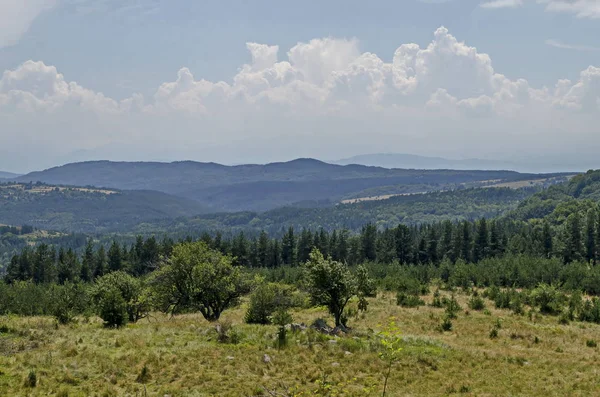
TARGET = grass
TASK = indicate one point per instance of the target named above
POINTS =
(181, 356)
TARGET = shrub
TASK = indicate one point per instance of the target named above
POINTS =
(112, 308)
(131, 289)
(494, 333)
(548, 298)
(67, 301)
(591, 343)
(31, 380)
(437, 299)
(446, 324)
(406, 300)
(452, 307)
(265, 300)
(476, 303)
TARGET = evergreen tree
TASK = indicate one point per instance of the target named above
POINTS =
(44, 264)
(263, 249)
(368, 240)
(480, 246)
(87, 264)
(547, 243)
(239, 250)
(288, 248)
(573, 243)
(432, 246)
(100, 263)
(590, 237)
(115, 259)
(404, 244)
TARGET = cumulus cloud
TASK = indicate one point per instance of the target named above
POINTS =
(16, 17)
(580, 8)
(326, 96)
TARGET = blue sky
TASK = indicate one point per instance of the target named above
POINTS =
(127, 50)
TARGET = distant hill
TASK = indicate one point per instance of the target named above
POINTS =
(7, 175)
(557, 202)
(259, 187)
(88, 210)
(464, 204)
(411, 161)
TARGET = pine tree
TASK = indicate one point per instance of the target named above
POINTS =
(446, 240)
(480, 246)
(44, 264)
(100, 263)
(368, 240)
(547, 243)
(115, 260)
(263, 249)
(573, 243)
(88, 263)
(432, 246)
(239, 250)
(590, 237)
(288, 248)
(404, 244)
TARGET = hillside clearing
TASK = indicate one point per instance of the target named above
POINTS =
(182, 357)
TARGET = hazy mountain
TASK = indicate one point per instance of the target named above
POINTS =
(7, 175)
(412, 161)
(258, 187)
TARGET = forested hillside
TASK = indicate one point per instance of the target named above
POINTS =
(86, 209)
(414, 209)
(263, 187)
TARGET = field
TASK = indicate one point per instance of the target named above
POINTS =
(531, 355)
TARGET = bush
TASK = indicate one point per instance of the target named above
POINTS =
(131, 289)
(591, 343)
(476, 303)
(406, 300)
(446, 324)
(112, 308)
(31, 380)
(265, 300)
(437, 299)
(67, 301)
(452, 307)
(548, 298)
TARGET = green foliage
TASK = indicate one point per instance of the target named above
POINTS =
(31, 379)
(67, 301)
(196, 277)
(406, 300)
(266, 299)
(330, 284)
(391, 348)
(112, 308)
(132, 291)
(476, 303)
(548, 298)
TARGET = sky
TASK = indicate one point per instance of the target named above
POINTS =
(236, 81)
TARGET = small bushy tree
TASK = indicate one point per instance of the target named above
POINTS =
(330, 284)
(67, 301)
(131, 289)
(198, 278)
(266, 299)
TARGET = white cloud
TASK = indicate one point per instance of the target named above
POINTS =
(574, 47)
(16, 17)
(503, 4)
(327, 96)
(580, 8)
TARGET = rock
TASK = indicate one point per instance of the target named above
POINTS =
(266, 359)
(347, 353)
(333, 341)
(230, 357)
(335, 364)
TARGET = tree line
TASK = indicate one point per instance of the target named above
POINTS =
(576, 239)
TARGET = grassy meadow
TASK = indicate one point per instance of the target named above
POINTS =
(532, 355)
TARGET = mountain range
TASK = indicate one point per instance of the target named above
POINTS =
(254, 187)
